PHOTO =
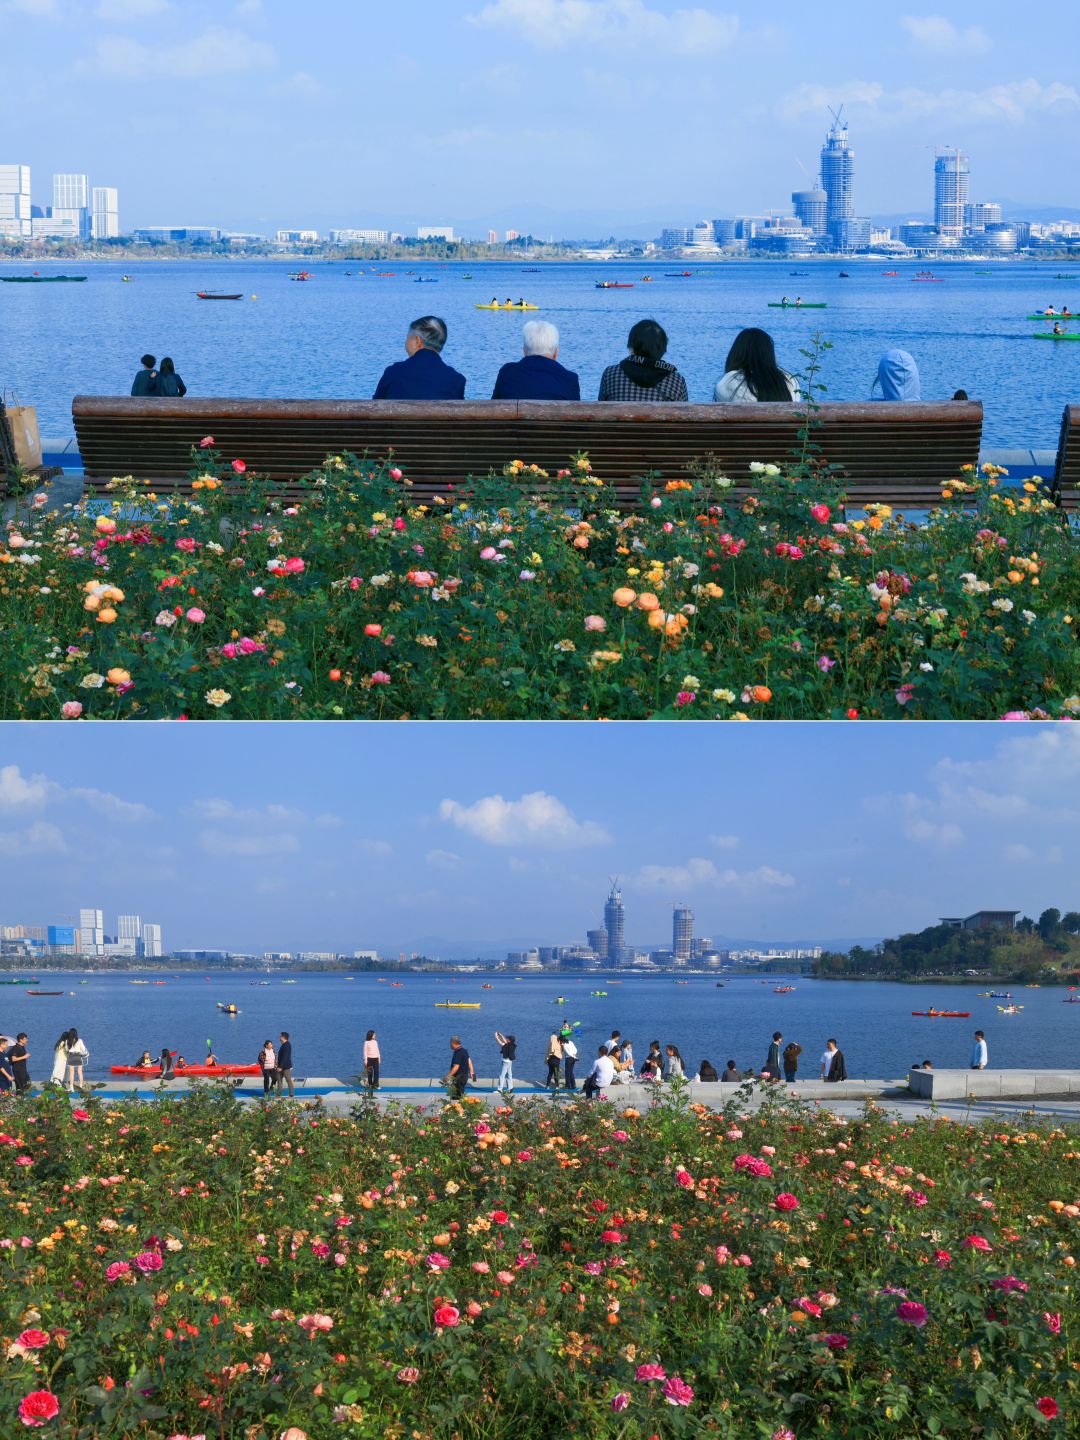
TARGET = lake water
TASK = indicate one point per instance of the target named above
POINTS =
(332, 336)
(328, 1016)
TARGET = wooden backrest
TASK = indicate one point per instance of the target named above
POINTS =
(1067, 471)
(897, 453)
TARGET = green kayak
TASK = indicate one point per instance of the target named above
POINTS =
(779, 305)
(1049, 335)
(1070, 316)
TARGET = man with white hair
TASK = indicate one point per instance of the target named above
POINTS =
(425, 375)
(539, 376)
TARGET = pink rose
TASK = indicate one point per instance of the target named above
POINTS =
(446, 1317)
(34, 1339)
(395, 474)
(71, 709)
(786, 1201)
(148, 1261)
(488, 552)
(372, 629)
(820, 513)
(117, 1269)
(239, 467)
(195, 615)
(408, 1374)
(595, 622)
(37, 1407)
(650, 1372)
(620, 1401)
(80, 1115)
(837, 1341)
(206, 442)
(685, 1179)
(380, 677)
(677, 1392)
(976, 1242)
(910, 1312)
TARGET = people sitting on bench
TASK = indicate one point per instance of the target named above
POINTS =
(644, 374)
(539, 376)
(751, 372)
(897, 378)
(145, 382)
(425, 375)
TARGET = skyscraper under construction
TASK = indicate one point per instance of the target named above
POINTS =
(838, 182)
(615, 924)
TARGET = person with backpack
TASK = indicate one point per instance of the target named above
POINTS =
(790, 1058)
(169, 383)
(508, 1051)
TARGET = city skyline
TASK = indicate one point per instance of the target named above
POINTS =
(243, 842)
(509, 89)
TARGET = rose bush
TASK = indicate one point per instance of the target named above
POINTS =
(291, 1289)
(346, 600)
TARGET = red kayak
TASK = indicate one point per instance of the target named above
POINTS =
(944, 1014)
(153, 1072)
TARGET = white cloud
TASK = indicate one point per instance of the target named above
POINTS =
(35, 792)
(300, 86)
(724, 842)
(221, 843)
(443, 860)
(699, 873)
(536, 819)
(40, 838)
(18, 790)
(225, 811)
(1019, 854)
(939, 836)
(131, 9)
(626, 24)
(217, 51)
(377, 848)
(941, 36)
(1014, 102)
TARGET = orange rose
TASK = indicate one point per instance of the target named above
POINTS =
(624, 597)
(761, 693)
(648, 601)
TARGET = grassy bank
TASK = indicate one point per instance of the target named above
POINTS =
(352, 603)
(193, 1269)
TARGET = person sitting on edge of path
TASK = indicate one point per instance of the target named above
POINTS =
(425, 375)
(284, 1059)
(707, 1071)
(461, 1068)
(644, 375)
(600, 1076)
(833, 1065)
(538, 376)
(751, 373)
(897, 378)
(169, 383)
(732, 1075)
(145, 382)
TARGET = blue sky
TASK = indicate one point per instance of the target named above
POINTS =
(275, 837)
(564, 115)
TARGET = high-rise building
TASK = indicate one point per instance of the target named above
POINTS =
(61, 937)
(128, 927)
(15, 208)
(682, 932)
(615, 924)
(597, 941)
(812, 208)
(950, 191)
(981, 213)
(493, 237)
(71, 203)
(435, 232)
(105, 214)
(91, 932)
(151, 942)
(838, 182)
(511, 236)
(674, 237)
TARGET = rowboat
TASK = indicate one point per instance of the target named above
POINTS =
(216, 295)
(457, 1004)
(44, 992)
(153, 1072)
(614, 285)
(41, 279)
(943, 1014)
(791, 305)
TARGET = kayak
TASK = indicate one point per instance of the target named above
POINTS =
(508, 307)
(153, 1072)
(1049, 335)
(457, 1005)
(613, 285)
(1059, 315)
(228, 1009)
(943, 1014)
(779, 305)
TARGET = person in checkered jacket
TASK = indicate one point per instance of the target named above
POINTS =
(644, 375)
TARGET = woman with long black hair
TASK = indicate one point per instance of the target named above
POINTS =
(169, 382)
(751, 373)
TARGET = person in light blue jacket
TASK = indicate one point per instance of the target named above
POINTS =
(978, 1052)
(897, 378)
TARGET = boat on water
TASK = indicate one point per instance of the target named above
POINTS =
(1053, 315)
(228, 1009)
(301, 275)
(1050, 335)
(799, 274)
(1010, 1009)
(614, 285)
(646, 280)
(677, 274)
(927, 279)
(42, 279)
(44, 992)
(890, 274)
(943, 1014)
(17, 981)
(216, 295)
(1072, 1000)
(487, 987)
(425, 280)
(507, 307)
(598, 994)
(288, 982)
(798, 305)
(125, 279)
(153, 1072)
(783, 989)
(457, 1004)
(844, 275)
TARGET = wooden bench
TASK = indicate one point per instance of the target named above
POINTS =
(897, 454)
(1067, 470)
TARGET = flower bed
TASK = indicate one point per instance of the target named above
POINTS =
(186, 1268)
(349, 602)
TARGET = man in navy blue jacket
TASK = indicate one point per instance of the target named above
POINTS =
(539, 376)
(425, 375)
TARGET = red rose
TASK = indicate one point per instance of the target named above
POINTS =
(500, 1217)
(34, 1339)
(42, 1405)
(1048, 1406)
(446, 1317)
(785, 1201)
(684, 1178)
(239, 467)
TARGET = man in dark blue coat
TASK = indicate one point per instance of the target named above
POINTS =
(145, 382)
(425, 375)
(539, 376)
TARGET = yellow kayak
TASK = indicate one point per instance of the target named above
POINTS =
(508, 307)
(457, 1005)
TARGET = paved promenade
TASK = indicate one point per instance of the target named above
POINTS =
(1026, 1095)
